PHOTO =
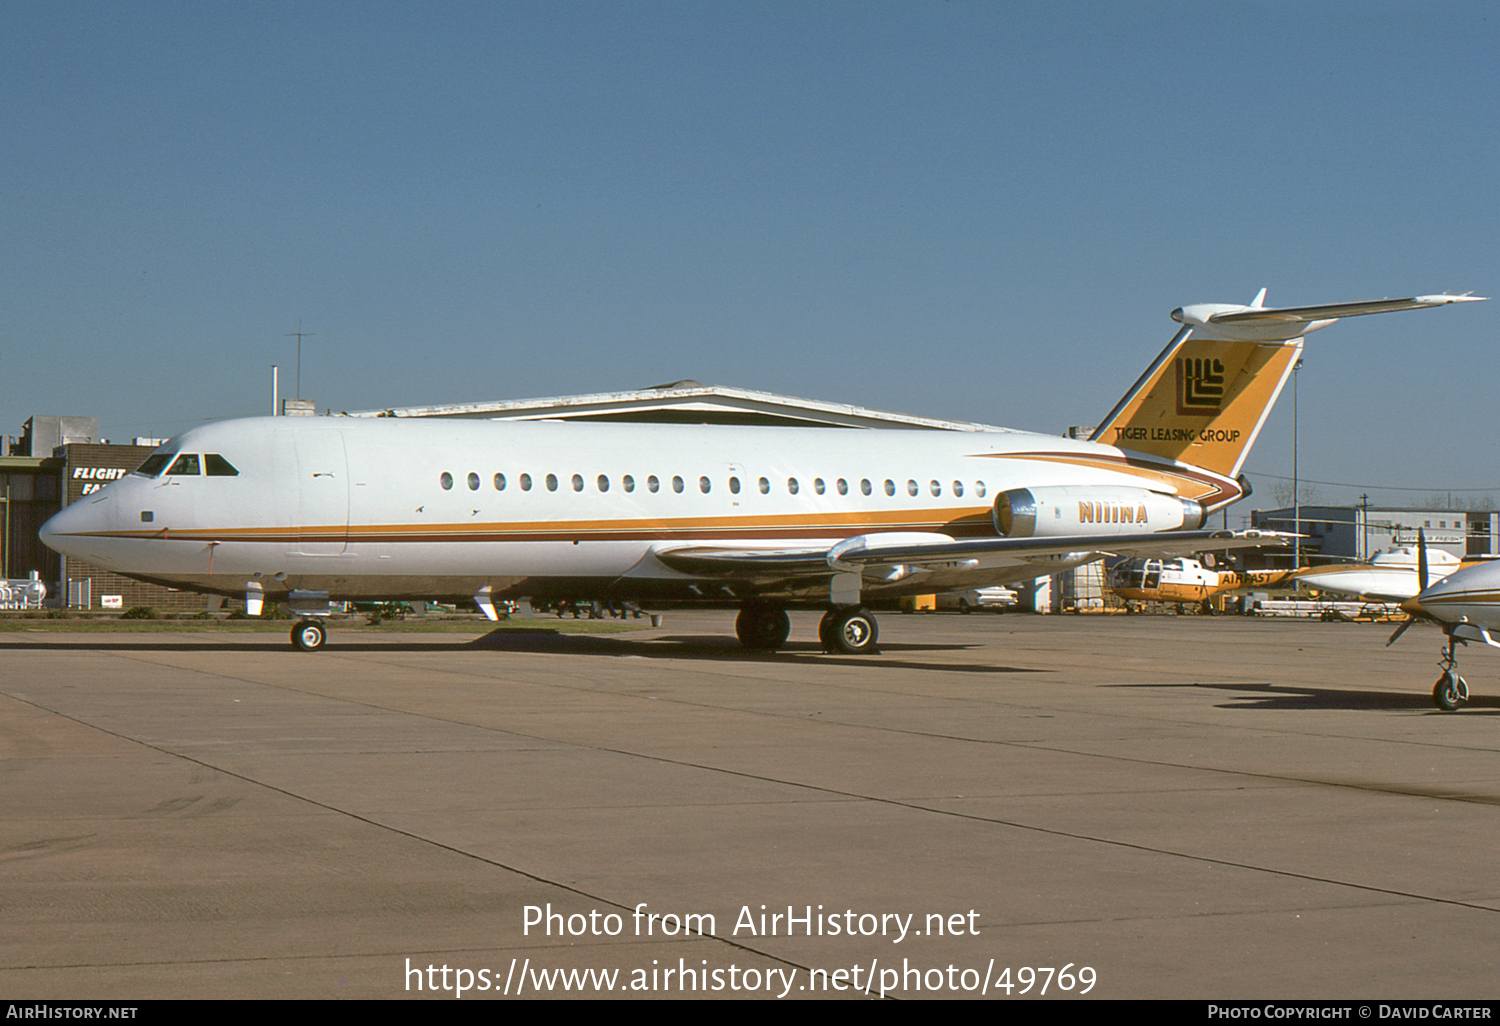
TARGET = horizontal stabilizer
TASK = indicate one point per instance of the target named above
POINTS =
(1273, 324)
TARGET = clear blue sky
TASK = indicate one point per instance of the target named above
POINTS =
(982, 211)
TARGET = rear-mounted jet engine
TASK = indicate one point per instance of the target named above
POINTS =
(1091, 510)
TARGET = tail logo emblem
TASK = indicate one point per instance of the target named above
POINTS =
(1200, 386)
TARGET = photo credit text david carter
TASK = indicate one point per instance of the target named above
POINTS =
(1278, 1010)
(529, 977)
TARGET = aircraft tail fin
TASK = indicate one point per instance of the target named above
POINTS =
(1204, 400)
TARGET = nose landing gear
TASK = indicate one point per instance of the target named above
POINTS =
(1451, 690)
(308, 635)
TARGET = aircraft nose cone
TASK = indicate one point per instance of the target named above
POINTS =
(66, 530)
(52, 530)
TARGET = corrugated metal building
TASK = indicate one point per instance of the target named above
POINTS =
(1342, 533)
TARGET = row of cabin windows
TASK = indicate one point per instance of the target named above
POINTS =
(705, 485)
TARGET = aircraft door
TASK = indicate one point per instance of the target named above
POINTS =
(322, 493)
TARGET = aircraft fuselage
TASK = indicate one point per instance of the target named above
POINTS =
(395, 508)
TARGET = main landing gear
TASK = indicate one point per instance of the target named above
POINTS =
(850, 630)
(763, 626)
(846, 630)
(309, 635)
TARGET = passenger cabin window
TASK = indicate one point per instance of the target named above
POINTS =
(473, 481)
(499, 482)
(525, 482)
(155, 464)
(187, 463)
(215, 465)
(446, 481)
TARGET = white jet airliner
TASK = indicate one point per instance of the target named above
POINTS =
(308, 510)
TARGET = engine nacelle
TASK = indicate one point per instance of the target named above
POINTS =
(1101, 510)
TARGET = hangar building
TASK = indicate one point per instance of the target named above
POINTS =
(1342, 533)
(685, 402)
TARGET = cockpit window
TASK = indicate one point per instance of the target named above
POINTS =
(217, 466)
(155, 464)
(187, 463)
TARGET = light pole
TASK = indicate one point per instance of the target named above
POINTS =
(1363, 544)
(5, 571)
(1296, 503)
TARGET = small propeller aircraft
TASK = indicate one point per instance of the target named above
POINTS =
(1388, 577)
(1466, 605)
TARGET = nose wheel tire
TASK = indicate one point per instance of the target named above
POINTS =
(309, 635)
(849, 631)
(1450, 691)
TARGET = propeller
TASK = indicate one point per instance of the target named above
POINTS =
(1414, 610)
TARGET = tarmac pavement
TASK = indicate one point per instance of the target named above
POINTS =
(1173, 807)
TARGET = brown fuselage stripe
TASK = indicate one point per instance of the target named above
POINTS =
(970, 526)
(1212, 490)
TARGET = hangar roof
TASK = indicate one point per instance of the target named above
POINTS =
(685, 402)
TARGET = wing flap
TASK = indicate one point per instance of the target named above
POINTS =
(874, 550)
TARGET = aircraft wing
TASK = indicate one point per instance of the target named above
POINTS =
(939, 551)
